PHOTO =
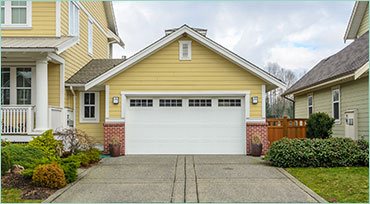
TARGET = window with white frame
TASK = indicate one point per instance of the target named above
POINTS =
(74, 19)
(170, 102)
(310, 104)
(336, 104)
(90, 36)
(200, 102)
(89, 107)
(229, 102)
(24, 86)
(141, 102)
(185, 50)
(16, 14)
(5, 86)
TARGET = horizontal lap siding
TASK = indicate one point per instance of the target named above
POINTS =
(364, 26)
(96, 9)
(94, 130)
(43, 22)
(54, 84)
(207, 71)
(354, 95)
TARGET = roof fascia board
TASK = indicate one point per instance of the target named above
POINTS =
(362, 70)
(28, 49)
(321, 84)
(358, 12)
(67, 44)
(169, 38)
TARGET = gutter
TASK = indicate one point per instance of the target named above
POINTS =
(74, 106)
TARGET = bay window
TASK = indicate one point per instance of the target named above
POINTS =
(16, 14)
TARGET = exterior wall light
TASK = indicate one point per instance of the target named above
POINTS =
(115, 100)
(254, 99)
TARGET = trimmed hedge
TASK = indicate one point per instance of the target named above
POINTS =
(23, 155)
(49, 175)
(331, 152)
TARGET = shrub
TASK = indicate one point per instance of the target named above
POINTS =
(319, 125)
(74, 139)
(48, 144)
(6, 163)
(332, 152)
(49, 175)
(70, 166)
(86, 158)
(24, 155)
(364, 156)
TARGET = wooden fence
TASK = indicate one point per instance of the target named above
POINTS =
(284, 127)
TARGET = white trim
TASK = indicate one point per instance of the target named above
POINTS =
(107, 101)
(334, 89)
(175, 35)
(90, 37)
(56, 58)
(97, 108)
(263, 101)
(67, 44)
(255, 120)
(27, 49)
(113, 120)
(70, 19)
(123, 104)
(354, 23)
(181, 44)
(362, 70)
(188, 93)
(323, 84)
(8, 17)
(62, 85)
(247, 105)
(74, 106)
(308, 105)
(57, 18)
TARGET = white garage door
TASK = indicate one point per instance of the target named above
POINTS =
(191, 125)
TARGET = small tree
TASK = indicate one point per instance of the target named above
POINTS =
(74, 139)
(320, 125)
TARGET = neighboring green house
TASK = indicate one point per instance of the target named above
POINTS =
(339, 84)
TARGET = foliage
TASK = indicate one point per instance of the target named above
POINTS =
(70, 166)
(48, 144)
(24, 155)
(339, 184)
(332, 152)
(256, 139)
(4, 143)
(319, 125)
(6, 162)
(13, 195)
(49, 175)
(74, 139)
(86, 158)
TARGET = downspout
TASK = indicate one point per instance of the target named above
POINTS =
(293, 101)
(74, 106)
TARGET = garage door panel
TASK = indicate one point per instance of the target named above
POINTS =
(185, 130)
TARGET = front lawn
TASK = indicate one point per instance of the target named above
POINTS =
(13, 195)
(339, 184)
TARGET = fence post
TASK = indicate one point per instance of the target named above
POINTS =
(285, 126)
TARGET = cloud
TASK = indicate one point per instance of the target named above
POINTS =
(296, 35)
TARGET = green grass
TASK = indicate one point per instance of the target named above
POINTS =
(340, 184)
(13, 195)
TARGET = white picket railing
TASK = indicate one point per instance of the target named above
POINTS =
(17, 119)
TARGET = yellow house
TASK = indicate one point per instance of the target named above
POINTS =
(339, 84)
(183, 94)
(44, 44)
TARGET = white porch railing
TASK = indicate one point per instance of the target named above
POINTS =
(17, 119)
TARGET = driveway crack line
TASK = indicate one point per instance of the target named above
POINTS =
(184, 179)
(174, 180)
(196, 181)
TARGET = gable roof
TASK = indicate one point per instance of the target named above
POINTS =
(343, 63)
(185, 29)
(92, 69)
(358, 12)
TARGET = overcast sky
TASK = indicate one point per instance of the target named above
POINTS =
(296, 35)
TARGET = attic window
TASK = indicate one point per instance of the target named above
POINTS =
(185, 50)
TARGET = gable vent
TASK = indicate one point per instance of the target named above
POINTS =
(199, 30)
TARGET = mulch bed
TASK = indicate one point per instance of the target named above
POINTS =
(29, 192)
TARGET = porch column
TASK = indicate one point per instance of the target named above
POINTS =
(41, 95)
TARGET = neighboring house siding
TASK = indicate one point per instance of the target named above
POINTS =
(43, 22)
(94, 130)
(354, 95)
(54, 84)
(364, 26)
(207, 71)
(77, 56)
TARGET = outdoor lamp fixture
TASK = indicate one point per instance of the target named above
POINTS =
(254, 99)
(115, 100)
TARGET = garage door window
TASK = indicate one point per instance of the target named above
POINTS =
(89, 107)
(141, 102)
(200, 102)
(229, 102)
(170, 102)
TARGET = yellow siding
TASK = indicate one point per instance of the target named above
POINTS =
(54, 84)
(96, 9)
(68, 99)
(207, 71)
(364, 26)
(77, 56)
(43, 22)
(94, 130)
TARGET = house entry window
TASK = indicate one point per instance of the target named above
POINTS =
(24, 86)
(336, 104)
(5, 86)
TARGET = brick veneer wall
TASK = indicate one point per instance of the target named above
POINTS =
(261, 129)
(114, 130)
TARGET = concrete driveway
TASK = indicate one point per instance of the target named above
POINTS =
(184, 179)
